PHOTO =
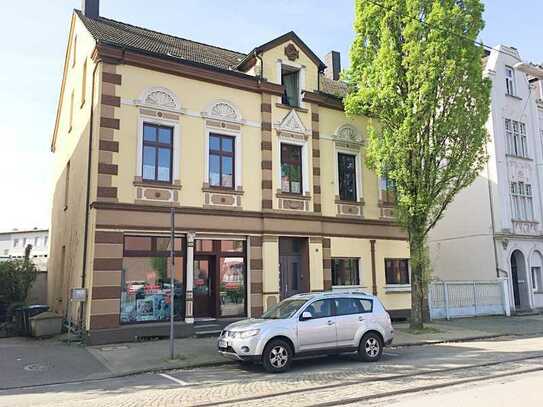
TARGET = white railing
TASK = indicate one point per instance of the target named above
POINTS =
(452, 299)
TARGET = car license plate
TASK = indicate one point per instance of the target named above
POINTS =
(223, 344)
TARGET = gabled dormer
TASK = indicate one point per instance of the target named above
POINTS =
(286, 61)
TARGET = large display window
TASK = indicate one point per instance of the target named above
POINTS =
(146, 279)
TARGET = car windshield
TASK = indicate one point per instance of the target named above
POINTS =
(285, 309)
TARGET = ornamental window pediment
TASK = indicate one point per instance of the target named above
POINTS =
(223, 110)
(348, 136)
(160, 98)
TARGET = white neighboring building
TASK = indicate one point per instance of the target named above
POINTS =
(494, 228)
(13, 243)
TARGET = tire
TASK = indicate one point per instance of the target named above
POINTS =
(370, 348)
(277, 356)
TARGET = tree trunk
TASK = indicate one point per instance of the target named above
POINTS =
(419, 280)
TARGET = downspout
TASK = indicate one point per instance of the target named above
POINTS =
(261, 73)
(87, 199)
(492, 215)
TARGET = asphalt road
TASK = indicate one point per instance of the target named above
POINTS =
(401, 376)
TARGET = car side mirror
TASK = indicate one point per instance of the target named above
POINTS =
(306, 315)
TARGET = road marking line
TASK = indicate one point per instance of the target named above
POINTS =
(173, 379)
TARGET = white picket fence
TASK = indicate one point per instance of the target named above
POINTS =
(452, 299)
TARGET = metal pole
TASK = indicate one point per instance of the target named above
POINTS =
(172, 282)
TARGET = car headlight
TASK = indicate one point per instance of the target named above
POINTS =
(248, 334)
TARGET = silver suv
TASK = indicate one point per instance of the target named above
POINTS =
(310, 324)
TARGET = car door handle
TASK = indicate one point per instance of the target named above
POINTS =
(360, 318)
(331, 322)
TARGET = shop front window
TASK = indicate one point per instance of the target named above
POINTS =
(146, 279)
(232, 286)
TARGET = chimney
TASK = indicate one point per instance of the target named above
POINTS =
(333, 65)
(91, 8)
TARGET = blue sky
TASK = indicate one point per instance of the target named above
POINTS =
(34, 37)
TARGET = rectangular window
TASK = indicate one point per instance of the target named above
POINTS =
(522, 201)
(350, 306)
(515, 134)
(71, 122)
(157, 153)
(388, 191)
(67, 186)
(536, 278)
(221, 160)
(45, 241)
(291, 94)
(84, 84)
(345, 271)
(36, 241)
(291, 168)
(510, 81)
(397, 271)
(74, 52)
(146, 279)
(347, 177)
(15, 242)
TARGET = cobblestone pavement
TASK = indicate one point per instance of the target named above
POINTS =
(325, 381)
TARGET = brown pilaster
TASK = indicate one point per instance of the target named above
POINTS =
(327, 263)
(257, 268)
(316, 158)
(373, 272)
(266, 152)
(108, 144)
(105, 294)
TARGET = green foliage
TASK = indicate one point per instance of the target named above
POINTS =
(16, 277)
(160, 265)
(416, 70)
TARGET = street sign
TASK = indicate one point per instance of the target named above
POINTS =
(78, 294)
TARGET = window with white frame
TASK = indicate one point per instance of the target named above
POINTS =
(510, 81)
(347, 176)
(537, 284)
(290, 79)
(15, 242)
(517, 142)
(522, 201)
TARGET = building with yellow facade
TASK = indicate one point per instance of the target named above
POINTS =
(253, 151)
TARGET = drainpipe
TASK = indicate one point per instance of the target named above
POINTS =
(261, 73)
(491, 205)
(87, 199)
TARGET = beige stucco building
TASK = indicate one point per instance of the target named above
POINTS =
(255, 153)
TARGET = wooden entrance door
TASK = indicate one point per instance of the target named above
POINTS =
(293, 266)
(204, 289)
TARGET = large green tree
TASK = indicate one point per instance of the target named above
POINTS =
(416, 69)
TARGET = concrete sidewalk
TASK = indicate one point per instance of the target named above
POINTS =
(27, 362)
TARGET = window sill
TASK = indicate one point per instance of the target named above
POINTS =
(290, 195)
(156, 184)
(221, 190)
(397, 288)
(288, 107)
(519, 157)
(533, 222)
(382, 204)
(513, 96)
(344, 202)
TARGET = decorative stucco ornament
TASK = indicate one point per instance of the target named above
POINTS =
(223, 110)
(292, 52)
(161, 99)
(348, 134)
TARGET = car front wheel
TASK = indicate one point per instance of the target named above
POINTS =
(277, 356)
(371, 347)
